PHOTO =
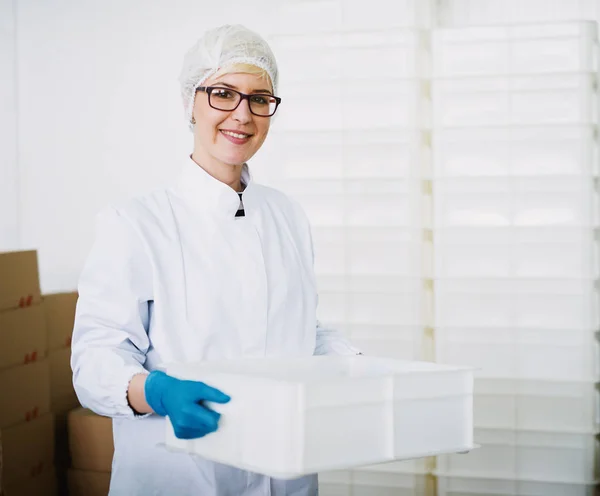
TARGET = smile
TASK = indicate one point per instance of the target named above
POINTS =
(240, 136)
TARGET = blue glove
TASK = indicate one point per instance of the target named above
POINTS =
(182, 402)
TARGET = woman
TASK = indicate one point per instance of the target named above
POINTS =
(213, 267)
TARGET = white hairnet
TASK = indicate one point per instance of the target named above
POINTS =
(218, 48)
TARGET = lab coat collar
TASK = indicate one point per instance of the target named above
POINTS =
(209, 194)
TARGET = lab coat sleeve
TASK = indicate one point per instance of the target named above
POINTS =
(332, 342)
(110, 338)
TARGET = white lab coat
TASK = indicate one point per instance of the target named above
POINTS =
(175, 276)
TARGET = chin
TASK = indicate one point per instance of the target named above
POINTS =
(234, 160)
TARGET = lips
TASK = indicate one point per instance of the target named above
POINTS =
(235, 137)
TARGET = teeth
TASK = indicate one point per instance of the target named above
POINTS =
(236, 135)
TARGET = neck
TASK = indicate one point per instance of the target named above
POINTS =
(226, 173)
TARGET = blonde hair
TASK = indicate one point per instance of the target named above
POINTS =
(244, 69)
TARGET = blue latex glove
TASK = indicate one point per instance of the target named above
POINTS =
(183, 401)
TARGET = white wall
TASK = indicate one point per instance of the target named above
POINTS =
(9, 186)
(100, 117)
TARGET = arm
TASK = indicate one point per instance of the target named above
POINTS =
(136, 395)
(110, 337)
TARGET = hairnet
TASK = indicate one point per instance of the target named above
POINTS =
(218, 48)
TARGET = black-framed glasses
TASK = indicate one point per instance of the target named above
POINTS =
(226, 99)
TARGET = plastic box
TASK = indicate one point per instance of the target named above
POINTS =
(479, 12)
(534, 455)
(462, 486)
(541, 354)
(524, 303)
(371, 483)
(515, 100)
(367, 154)
(561, 406)
(515, 151)
(517, 201)
(293, 416)
(302, 17)
(553, 252)
(521, 49)
(367, 251)
(356, 105)
(401, 13)
(389, 341)
(335, 56)
(371, 300)
(359, 203)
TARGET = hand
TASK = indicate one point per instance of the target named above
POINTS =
(182, 402)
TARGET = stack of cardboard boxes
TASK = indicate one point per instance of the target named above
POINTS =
(43, 430)
(59, 309)
(91, 443)
(26, 424)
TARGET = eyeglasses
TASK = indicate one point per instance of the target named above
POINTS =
(227, 100)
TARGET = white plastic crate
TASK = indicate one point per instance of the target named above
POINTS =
(371, 300)
(401, 13)
(301, 17)
(515, 100)
(371, 483)
(311, 408)
(335, 56)
(420, 466)
(511, 353)
(389, 341)
(517, 201)
(367, 251)
(533, 455)
(359, 203)
(524, 303)
(517, 49)
(529, 405)
(353, 104)
(368, 154)
(477, 486)
(311, 107)
(515, 151)
(479, 12)
(553, 252)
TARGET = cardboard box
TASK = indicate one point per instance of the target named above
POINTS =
(62, 394)
(19, 280)
(23, 336)
(27, 450)
(24, 393)
(43, 484)
(90, 441)
(60, 316)
(86, 483)
(62, 456)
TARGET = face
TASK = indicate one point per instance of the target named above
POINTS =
(212, 132)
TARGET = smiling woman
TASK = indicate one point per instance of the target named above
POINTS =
(213, 267)
(229, 126)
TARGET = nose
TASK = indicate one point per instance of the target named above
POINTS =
(242, 113)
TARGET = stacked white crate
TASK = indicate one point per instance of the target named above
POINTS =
(454, 13)
(516, 253)
(352, 145)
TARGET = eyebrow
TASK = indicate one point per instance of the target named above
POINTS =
(236, 88)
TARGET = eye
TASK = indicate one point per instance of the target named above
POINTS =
(222, 94)
(261, 99)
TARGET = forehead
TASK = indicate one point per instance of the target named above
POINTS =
(247, 83)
